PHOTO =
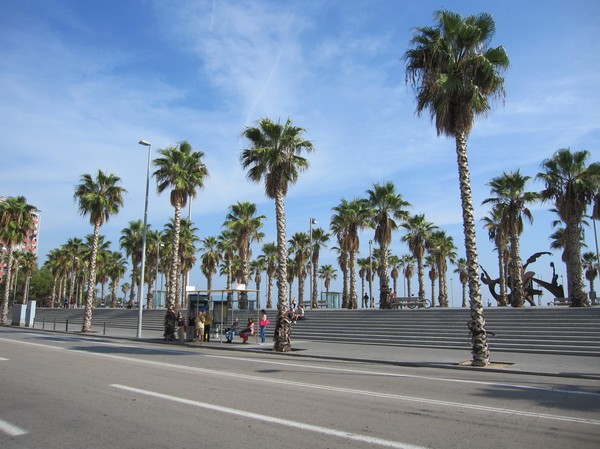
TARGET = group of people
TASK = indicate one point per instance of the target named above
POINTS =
(296, 313)
(200, 323)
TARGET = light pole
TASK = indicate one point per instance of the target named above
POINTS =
(312, 221)
(371, 274)
(15, 283)
(141, 288)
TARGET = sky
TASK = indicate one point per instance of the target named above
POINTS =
(82, 82)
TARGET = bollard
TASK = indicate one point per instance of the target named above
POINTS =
(43, 323)
(104, 331)
(67, 325)
(54, 324)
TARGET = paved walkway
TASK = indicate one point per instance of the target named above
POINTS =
(515, 362)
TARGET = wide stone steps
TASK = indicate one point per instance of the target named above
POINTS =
(551, 330)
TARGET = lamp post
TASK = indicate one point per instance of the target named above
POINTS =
(141, 288)
(371, 275)
(312, 221)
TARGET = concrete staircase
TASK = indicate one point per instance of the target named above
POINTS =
(550, 330)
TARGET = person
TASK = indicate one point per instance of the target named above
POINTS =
(200, 328)
(248, 331)
(66, 303)
(180, 328)
(170, 324)
(263, 323)
(299, 313)
(208, 319)
(191, 326)
(292, 312)
(366, 301)
(230, 332)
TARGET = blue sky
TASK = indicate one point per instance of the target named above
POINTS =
(82, 82)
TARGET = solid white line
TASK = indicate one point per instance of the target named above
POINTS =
(11, 430)
(2, 359)
(325, 387)
(274, 420)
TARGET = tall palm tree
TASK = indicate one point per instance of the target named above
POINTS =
(363, 273)
(572, 186)
(461, 270)
(511, 200)
(351, 217)
(182, 171)
(154, 241)
(387, 206)
(590, 264)
(442, 247)
(433, 275)
(418, 233)
(16, 220)
(209, 260)
(395, 264)
(245, 224)
(300, 248)
(269, 255)
(226, 246)
(409, 271)
(257, 266)
(131, 242)
(319, 240)
(327, 273)
(54, 266)
(497, 233)
(275, 156)
(455, 75)
(100, 198)
(116, 267)
(28, 261)
(343, 262)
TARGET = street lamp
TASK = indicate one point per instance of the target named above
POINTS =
(141, 288)
(310, 262)
(371, 274)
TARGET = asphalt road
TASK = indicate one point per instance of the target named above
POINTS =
(68, 391)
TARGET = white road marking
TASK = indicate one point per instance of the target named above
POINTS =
(11, 430)
(2, 359)
(304, 385)
(274, 420)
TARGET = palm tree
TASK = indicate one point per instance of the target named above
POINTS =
(187, 254)
(351, 217)
(418, 233)
(226, 246)
(99, 198)
(498, 234)
(327, 273)
(395, 263)
(511, 199)
(363, 273)
(181, 170)
(154, 241)
(275, 155)
(591, 270)
(300, 248)
(209, 260)
(387, 206)
(245, 226)
(16, 220)
(269, 255)
(442, 247)
(455, 75)
(291, 275)
(131, 242)
(257, 266)
(55, 267)
(116, 267)
(319, 240)
(433, 275)
(572, 186)
(461, 270)
(125, 288)
(28, 261)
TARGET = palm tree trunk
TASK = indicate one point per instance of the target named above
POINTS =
(384, 279)
(502, 274)
(314, 300)
(517, 276)
(480, 348)
(89, 300)
(174, 271)
(353, 302)
(5, 297)
(575, 283)
(421, 277)
(283, 325)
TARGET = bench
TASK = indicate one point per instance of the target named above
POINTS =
(411, 302)
(561, 302)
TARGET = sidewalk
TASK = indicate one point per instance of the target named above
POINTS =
(503, 362)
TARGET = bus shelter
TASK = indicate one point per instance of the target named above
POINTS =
(225, 305)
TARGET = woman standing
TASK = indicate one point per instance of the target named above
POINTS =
(263, 323)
